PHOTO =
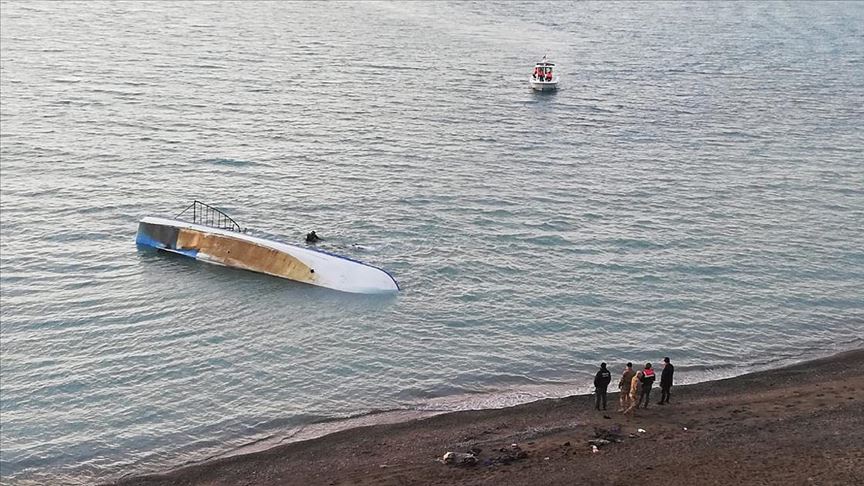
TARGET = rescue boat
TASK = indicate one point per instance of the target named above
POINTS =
(544, 77)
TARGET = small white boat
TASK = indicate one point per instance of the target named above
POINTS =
(212, 236)
(544, 77)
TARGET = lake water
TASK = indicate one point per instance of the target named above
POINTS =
(695, 189)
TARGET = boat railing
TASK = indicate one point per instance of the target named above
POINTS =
(207, 215)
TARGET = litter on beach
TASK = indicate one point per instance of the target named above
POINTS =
(459, 459)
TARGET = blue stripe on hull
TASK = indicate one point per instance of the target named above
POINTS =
(145, 240)
(162, 238)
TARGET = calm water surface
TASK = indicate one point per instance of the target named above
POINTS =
(694, 189)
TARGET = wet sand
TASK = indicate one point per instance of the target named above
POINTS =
(802, 424)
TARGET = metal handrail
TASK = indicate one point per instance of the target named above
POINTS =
(207, 215)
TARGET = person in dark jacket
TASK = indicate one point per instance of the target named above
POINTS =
(647, 380)
(666, 381)
(601, 382)
(311, 237)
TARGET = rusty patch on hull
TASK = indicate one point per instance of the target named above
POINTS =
(238, 253)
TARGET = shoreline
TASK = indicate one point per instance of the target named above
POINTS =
(478, 401)
(554, 432)
(492, 400)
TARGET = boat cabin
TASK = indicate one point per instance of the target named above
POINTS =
(543, 71)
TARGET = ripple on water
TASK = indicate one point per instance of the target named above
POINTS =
(673, 198)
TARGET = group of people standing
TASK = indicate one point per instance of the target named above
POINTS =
(634, 387)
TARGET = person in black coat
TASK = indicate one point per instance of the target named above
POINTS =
(601, 382)
(666, 381)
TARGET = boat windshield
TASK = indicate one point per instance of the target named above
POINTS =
(543, 72)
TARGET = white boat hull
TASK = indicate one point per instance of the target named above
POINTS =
(239, 250)
(544, 85)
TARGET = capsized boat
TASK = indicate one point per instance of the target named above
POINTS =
(545, 77)
(210, 235)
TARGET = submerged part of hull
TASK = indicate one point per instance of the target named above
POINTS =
(239, 250)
